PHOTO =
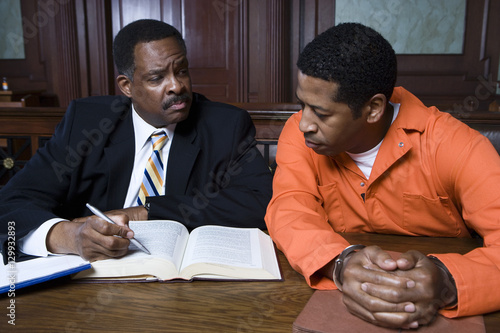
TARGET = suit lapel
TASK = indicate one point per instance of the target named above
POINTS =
(183, 153)
(181, 160)
(119, 155)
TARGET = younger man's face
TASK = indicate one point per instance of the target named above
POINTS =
(328, 126)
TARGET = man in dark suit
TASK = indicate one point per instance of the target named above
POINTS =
(214, 172)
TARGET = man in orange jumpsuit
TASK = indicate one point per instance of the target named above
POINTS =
(363, 156)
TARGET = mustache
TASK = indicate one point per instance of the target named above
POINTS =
(176, 99)
(308, 136)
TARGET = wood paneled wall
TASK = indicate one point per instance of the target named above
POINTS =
(239, 50)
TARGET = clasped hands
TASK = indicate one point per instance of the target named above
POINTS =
(403, 293)
(92, 238)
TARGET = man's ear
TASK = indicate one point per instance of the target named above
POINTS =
(124, 84)
(376, 108)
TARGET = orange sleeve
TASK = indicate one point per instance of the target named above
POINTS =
(476, 178)
(295, 218)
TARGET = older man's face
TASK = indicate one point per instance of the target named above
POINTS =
(161, 89)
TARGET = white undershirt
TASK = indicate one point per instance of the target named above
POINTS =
(34, 243)
(365, 160)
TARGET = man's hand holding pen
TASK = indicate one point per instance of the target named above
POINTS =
(92, 237)
(107, 219)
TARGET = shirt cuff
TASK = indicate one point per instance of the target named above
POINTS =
(34, 243)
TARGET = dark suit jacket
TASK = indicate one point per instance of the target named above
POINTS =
(215, 174)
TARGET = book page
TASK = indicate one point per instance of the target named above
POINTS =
(165, 240)
(220, 253)
(268, 255)
(237, 247)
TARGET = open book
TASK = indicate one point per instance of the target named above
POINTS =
(209, 252)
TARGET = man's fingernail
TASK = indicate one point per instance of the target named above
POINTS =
(410, 284)
(414, 324)
(410, 308)
(364, 287)
(130, 235)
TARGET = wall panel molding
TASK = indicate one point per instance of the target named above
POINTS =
(269, 51)
(65, 64)
(95, 38)
(278, 34)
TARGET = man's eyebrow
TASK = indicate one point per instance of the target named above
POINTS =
(182, 61)
(298, 99)
(155, 71)
(315, 107)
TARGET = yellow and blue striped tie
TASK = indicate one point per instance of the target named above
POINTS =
(152, 182)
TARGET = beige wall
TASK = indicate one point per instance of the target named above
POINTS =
(411, 26)
(11, 30)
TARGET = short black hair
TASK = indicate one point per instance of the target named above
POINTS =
(355, 57)
(140, 31)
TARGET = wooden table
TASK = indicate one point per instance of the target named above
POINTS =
(200, 306)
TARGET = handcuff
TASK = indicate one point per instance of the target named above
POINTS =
(339, 263)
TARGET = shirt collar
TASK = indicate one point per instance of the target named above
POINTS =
(413, 114)
(143, 130)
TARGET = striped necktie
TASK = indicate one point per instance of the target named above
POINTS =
(152, 182)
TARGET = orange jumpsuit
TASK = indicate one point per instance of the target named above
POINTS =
(433, 176)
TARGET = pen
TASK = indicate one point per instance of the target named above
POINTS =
(104, 217)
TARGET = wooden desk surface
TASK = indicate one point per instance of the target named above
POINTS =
(200, 306)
